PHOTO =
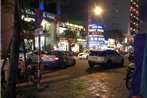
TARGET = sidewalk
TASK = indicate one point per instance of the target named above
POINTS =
(97, 85)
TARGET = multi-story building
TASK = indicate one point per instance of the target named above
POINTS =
(134, 16)
(122, 15)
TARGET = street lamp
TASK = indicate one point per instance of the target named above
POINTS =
(97, 11)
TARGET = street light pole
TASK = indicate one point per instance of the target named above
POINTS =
(88, 22)
(97, 11)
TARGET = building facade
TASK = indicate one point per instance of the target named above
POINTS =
(47, 39)
(63, 43)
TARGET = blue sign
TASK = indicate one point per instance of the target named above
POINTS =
(41, 5)
(94, 26)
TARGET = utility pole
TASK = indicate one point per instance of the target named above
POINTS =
(88, 22)
(39, 32)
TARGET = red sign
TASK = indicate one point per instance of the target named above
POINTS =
(38, 18)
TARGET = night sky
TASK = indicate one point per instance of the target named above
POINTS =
(143, 9)
(77, 10)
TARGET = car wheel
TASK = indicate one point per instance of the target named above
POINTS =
(74, 62)
(62, 65)
(128, 82)
(91, 65)
(86, 57)
(122, 63)
(108, 64)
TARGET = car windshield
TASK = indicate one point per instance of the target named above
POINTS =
(36, 52)
(55, 53)
(97, 53)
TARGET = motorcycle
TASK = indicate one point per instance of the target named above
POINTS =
(128, 78)
(30, 74)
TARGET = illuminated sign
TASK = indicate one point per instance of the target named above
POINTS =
(98, 30)
(94, 26)
(48, 15)
(28, 11)
(45, 14)
(41, 5)
(111, 42)
(95, 30)
(71, 26)
(95, 33)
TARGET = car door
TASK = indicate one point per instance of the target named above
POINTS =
(109, 56)
(116, 57)
(65, 58)
(35, 56)
(69, 58)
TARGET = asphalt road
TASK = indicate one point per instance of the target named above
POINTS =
(80, 69)
(80, 81)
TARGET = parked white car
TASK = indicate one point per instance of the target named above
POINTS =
(105, 57)
(83, 55)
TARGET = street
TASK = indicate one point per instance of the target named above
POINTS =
(80, 81)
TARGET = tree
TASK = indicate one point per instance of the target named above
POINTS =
(11, 83)
(18, 5)
(71, 36)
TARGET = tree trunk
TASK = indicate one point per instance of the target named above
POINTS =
(11, 84)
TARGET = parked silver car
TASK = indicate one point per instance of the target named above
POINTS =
(83, 55)
(33, 58)
(60, 59)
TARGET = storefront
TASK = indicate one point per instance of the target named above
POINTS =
(47, 40)
(63, 43)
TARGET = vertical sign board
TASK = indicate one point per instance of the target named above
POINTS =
(38, 32)
(38, 18)
(41, 5)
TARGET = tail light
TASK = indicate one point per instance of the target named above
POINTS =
(41, 56)
(56, 58)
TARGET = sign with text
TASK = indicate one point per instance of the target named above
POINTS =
(38, 18)
(39, 31)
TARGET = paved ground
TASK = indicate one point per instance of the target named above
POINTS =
(82, 82)
(105, 84)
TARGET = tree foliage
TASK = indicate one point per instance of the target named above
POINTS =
(69, 34)
(28, 26)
